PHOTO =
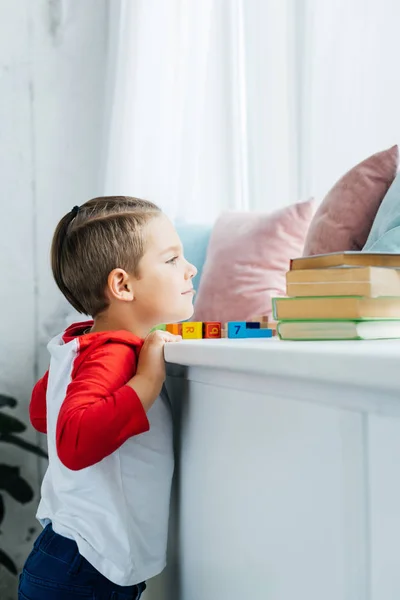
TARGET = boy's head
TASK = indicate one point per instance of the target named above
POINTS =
(122, 254)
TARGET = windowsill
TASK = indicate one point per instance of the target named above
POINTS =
(367, 364)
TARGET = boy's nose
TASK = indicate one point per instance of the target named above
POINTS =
(192, 271)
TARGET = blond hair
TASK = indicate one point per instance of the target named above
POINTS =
(91, 240)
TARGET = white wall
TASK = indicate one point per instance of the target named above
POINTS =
(52, 62)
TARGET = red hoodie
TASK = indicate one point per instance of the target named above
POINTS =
(99, 412)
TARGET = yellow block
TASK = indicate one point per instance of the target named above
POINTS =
(192, 330)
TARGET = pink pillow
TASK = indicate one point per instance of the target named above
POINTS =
(247, 259)
(344, 219)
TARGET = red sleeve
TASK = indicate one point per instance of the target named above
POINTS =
(100, 412)
(37, 406)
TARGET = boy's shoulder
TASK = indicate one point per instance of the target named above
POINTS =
(113, 350)
(80, 332)
(104, 345)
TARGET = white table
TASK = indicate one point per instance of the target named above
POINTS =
(288, 480)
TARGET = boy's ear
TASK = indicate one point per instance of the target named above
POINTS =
(120, 285)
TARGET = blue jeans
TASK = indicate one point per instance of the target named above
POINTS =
(55, 570)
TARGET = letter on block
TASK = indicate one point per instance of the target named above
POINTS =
(212, 330)
(175, 328)
(192, 331)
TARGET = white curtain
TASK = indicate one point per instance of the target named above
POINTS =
(193, 122)
(245, 104)
(354, 85)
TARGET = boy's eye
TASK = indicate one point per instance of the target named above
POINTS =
(172, 261)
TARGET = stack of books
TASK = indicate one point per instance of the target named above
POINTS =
(341, 296)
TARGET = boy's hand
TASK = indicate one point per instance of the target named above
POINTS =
(150, 372)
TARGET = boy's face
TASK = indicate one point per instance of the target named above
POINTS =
(163, 290)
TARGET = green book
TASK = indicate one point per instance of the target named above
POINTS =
(338, 330)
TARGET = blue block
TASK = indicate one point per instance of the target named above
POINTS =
(259, 333)
(239, 330)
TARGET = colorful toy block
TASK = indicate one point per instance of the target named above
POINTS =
(161, 327)
(197, 330)
(253, 325)
(259, 333)
(236, 329)
(211, 329)
(273, 326)
(240, 330)
(174, 328)
(262, 320)
(192, 330)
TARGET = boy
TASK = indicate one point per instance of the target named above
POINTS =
(105, 495)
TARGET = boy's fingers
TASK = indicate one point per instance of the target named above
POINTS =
(170, 337)
(165, 336)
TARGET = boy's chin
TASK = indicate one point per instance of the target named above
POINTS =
(189, 314)
(182, 316)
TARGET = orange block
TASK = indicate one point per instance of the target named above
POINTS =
(212, 329)
(174, 328)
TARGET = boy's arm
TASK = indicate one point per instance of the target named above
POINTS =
(37, 406)
(100, 412)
